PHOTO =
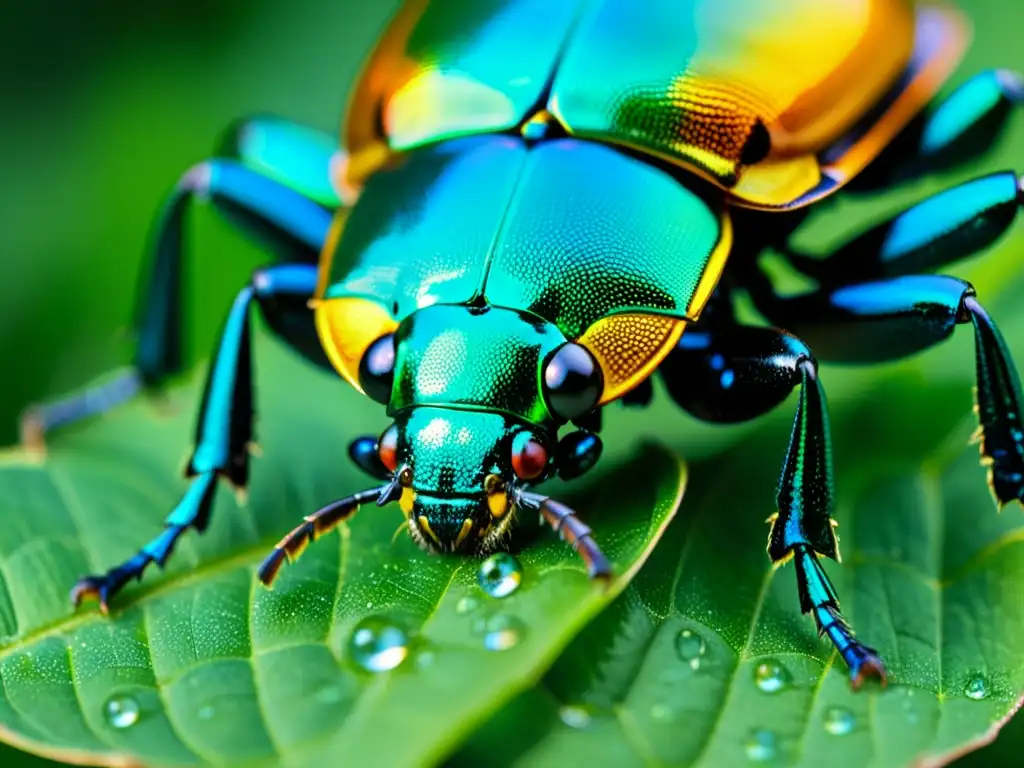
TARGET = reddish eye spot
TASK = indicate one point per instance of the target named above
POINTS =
(387, 448)
(529, 456)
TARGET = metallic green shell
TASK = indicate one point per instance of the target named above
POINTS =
(567, 230)
(488, 360)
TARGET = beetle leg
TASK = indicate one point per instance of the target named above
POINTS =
(262, 192)
(957, 130)
(733, 373)
(892, 319)
(940, 230)
(304, 159)
(224, 431)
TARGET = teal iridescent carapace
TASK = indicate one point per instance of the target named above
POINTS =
(461, 356)
(568, 230)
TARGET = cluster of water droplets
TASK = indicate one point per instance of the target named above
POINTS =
(378, 644)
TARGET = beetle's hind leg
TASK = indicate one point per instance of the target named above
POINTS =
(723, 372)
(277, 186)
(956, 130)
(224, 431)
(872, 307)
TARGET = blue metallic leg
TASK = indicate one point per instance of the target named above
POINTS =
(259, 192)
(224, 430)
(940, 230)
(957, 130)
(304, 159)
(891, 319)
(723, 372)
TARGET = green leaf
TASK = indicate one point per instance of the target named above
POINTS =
(932, 577)
(223, 671)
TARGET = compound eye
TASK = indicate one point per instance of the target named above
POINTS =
(377, 369)
(572, 381)
(529, 456)
(387, 448)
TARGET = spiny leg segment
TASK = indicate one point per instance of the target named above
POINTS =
(224, 431)
(723, 372)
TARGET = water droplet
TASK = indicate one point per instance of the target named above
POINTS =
(121, 711)
(500, 575)
(770, 676)
(205, 713)
(662, 713)
(328, 694)
(424, 659)
(761, 746)
(502, 633)
(690, 646)
(466, 605)
(574, 717)
(377, 645)
(839, 721)
(976, 689)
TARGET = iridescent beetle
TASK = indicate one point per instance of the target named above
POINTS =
(543, 203)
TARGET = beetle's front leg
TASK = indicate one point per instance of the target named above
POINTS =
(224, 432)
(735, 373)
(886, 320)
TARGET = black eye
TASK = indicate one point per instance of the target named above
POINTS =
(377, 369)
(572, 381)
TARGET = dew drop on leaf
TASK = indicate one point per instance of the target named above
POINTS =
(466, 605)
(574, 716)
(770, 676)
(839, 721)
(761, 746)
(424, 659)
(502, 632)
(662, 713)
(377, 645)
(500, 575)
(206, 712)
(976, 689)
(328, 694)
(121, 711)
(690, 646)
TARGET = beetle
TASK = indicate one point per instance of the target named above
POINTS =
(540, 205)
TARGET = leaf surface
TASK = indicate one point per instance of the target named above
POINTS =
(201, 665)
(705, 659)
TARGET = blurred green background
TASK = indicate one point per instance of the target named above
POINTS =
(105, 103)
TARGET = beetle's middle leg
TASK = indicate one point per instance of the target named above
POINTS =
(872, 307)
(273, 187)
(224, 431)
(725, 373)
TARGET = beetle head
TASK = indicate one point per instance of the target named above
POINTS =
(455, 474)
